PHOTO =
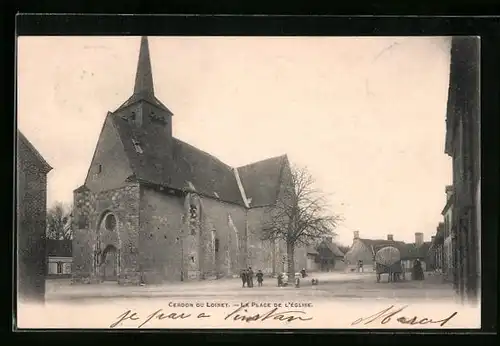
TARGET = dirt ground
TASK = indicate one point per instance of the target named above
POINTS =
(337, 286)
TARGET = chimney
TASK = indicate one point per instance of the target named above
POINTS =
(433, 238)
(329, 239)
(356, 234)
(390, 237)
(419, 239)
(449, 191)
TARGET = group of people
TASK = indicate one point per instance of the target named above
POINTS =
(247, 277)
(248, 274)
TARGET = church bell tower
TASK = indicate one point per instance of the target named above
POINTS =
(143, 109)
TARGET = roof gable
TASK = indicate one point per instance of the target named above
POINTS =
(262, 180)
(22, 140)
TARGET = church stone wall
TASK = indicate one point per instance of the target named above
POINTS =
(160, 237)
(89, 209)
(216, 224)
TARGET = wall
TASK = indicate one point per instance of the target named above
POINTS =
(89, 238)
(31, 213)
(110, 155)
(160, 237)
(230, 258)
(168, 249)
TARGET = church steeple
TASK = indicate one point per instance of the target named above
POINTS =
(144, 86)
(144, 74)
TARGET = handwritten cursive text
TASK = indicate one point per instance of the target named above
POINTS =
(241, 314)
(385, 316)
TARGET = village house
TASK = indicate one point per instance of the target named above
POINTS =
(154, 208)
(326, 256)
(462, 143)
(59, 258)
(32, 170)
(361, 255)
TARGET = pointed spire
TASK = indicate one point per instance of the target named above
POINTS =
(144, 76)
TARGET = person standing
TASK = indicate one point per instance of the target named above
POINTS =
(260, 278)
(243, 276)
(250, 277)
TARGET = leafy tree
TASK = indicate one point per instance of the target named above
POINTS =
(59, 222)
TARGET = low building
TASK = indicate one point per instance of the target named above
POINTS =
(32, 172)
(59, 258)
(361, 255)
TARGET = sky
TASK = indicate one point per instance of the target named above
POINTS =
(365, 115)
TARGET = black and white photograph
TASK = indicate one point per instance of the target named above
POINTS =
(248, 182)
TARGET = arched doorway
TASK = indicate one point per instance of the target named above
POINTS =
(110, 263)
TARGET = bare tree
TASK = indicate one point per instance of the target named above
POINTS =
(59, 222)
(301, 215)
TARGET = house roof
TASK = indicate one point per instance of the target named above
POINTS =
(261, 180)
(43, 164)
(328, 249)
(59, 248)
(407, 251)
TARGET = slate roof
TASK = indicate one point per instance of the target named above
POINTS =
(261, 180)
(407, 251)
(177, 166)
(59, 248)
(185, 163)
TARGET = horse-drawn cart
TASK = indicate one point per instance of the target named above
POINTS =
(388, 261)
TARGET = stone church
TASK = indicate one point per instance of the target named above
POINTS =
(154, 208)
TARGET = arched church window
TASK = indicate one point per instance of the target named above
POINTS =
(216, 244)
(110, 222)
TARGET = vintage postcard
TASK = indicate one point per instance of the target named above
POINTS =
(248, 182)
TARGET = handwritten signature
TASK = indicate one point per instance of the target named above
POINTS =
(239, 314)
(385, 316)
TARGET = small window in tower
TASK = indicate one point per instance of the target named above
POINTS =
(132, 116)
(137, 146)
(98, 169)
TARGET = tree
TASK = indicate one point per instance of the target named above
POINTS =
(300, 216)
(343, 248)
(59, 222)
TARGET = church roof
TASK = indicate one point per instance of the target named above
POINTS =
(261, 180)
(185, 165)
